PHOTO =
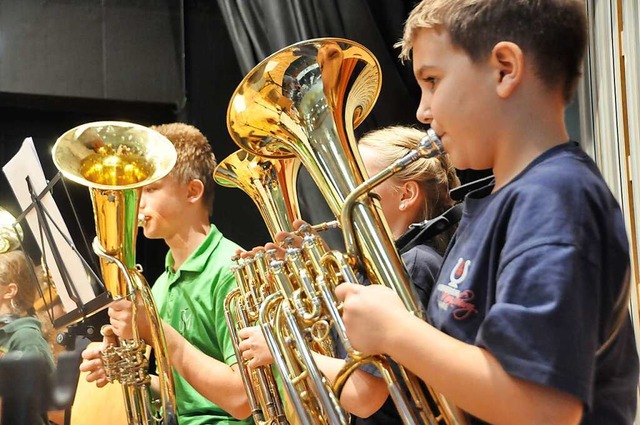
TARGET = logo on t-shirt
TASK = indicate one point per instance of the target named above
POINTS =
(451, 297)
(185, 320)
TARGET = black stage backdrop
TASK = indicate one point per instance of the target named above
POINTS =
(67, 62)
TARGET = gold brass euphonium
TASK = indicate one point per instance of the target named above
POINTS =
(271, 185)
(305, 101)
(115, 160)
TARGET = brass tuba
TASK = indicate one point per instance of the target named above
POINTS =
(271, 185)
(115, 160)
(305, 101)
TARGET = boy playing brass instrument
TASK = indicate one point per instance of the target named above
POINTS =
(528, 320)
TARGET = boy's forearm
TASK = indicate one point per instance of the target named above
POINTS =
(474, 380)
(328, 365)
(215, 380)
(362, 395)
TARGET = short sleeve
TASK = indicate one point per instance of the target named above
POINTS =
(422, 263)
(543, 325)
(226, 284)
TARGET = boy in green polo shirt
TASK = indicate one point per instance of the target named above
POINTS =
(190, 293)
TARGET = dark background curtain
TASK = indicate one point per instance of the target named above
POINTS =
(68, 62)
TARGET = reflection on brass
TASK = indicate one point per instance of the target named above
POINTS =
(116, 167)
(270, 183)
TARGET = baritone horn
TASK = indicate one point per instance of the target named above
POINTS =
(305, 101)
(271, 186)
(115, 160)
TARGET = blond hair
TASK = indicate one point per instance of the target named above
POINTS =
(195, 157)
(435, 176)
(553, 32)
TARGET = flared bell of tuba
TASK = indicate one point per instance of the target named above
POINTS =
(270, 183)
(305, 101)
(115, 160)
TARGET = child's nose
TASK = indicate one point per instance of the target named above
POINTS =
(423, 114)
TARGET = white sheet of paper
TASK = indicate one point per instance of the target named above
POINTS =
(26, 163)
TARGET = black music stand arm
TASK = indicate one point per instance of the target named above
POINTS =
(44, 227)
(28, 392)
(65, 381)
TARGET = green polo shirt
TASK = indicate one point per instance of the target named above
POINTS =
(191, 300)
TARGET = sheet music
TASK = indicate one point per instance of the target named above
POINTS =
(26, 163)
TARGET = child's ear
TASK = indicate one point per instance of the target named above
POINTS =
(195, 190)
(410, 194)
(508, 61)
(10, 290)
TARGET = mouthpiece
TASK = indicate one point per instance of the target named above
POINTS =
(430, 145)
(141, 220)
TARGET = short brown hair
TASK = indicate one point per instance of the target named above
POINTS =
(195, 157)
(553, 32)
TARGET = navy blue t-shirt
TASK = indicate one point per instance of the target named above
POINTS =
(532, 276)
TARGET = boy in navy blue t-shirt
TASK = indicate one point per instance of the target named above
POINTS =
(528, 320)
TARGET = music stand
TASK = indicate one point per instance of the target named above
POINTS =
(80, 289)
(73, 281)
